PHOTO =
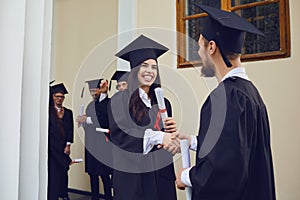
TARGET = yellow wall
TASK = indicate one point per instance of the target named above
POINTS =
(278, 81)
(79, 25)
(82, 24)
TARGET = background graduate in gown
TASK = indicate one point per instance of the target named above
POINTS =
(141, 170)
(233, 159)
(60, 137)
(121, 77)
(97, 148)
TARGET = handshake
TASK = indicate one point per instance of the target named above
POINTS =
(170, 141)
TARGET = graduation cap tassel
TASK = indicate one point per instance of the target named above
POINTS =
(81, 108)
(227, 62)
(82, 91)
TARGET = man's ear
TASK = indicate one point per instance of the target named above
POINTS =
(212, 47)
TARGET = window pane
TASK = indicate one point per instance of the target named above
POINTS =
(193, 29)
(265, 18)
(191, 9)
(271, 17)
(242, 2)
(194, 26)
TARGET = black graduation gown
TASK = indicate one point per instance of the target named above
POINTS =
(58, 161)
(137, 176)
(98, 152)
(238, 166)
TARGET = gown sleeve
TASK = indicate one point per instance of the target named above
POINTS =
(69, 125)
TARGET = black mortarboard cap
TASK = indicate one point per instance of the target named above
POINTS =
(119, 76)
(94, 83)
(141, 49)
(59, 88)
(227, 29)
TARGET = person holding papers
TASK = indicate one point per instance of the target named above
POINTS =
(141, 169)
(233, 159)
(98, 150)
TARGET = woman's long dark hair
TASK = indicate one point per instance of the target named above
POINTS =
(135, 104)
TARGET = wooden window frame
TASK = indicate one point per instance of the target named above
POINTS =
(284, 16)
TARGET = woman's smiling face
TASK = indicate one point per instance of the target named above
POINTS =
(147, 73)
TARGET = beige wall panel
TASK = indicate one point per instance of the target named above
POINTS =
(81, 25)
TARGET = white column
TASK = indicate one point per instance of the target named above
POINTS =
(12, 24)
(25, 37)
(127, 24)
(36, 69)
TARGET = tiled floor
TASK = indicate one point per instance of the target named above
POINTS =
(74, 196)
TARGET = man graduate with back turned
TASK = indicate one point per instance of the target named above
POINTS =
(233, 159)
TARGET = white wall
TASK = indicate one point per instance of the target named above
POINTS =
(278, 82)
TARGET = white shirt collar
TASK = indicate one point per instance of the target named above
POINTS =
(238, 72)
(144, 97)
(57, 108)
(102, 96)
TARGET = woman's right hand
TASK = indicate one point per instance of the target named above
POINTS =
(170, 125)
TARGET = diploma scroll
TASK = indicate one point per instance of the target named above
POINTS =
(161, 103)
(81, 112)
(77, 160)
(185, 157)
(104, 130)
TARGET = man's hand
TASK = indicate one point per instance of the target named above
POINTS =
(170, 125)
(104, 86)
(181, 136)
(179, 184)
(81, 119)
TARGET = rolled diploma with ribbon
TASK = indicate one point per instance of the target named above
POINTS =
(185, 157)
(161, 103)
(81, 111)
(103, 130)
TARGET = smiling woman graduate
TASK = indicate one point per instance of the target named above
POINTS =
(142, 170)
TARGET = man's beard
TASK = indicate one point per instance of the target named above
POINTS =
(208, 69)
